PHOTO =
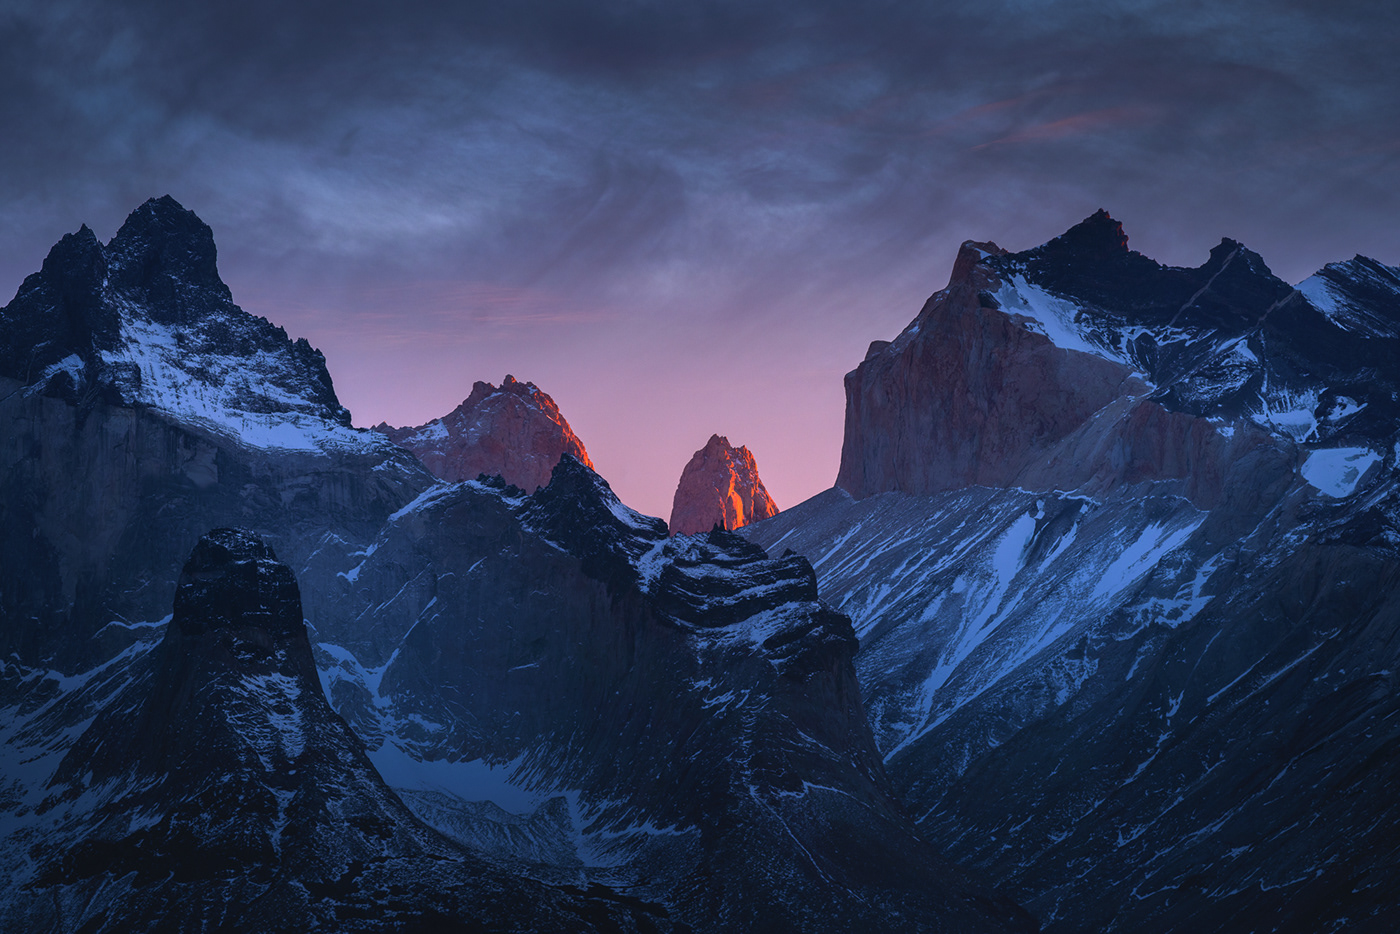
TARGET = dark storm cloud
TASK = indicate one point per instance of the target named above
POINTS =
(723, 202)
(550, 141)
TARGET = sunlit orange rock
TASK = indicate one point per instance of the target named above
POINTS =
(514, 431)
(720, 486)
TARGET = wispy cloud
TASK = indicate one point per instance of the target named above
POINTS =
(724, 170)
(1076, 125)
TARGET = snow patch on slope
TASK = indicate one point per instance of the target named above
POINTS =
(1139, 557)
(1335, 472)
(1046, 314)
(219, 391)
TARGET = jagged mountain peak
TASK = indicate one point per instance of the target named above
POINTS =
(1227, 339)
(578, 511)
(1119, 500)
(565, 642)
(146, 321)
(220, 791)
(227, 569)
(236, 633)
(1098, 234)
(1051, 336)
(514, 431)
(165, 255)
(719, 487)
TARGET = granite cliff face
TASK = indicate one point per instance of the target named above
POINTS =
(720, 487)
(515, 432)
(1119, 541)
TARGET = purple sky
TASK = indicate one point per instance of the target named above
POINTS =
(680, 219)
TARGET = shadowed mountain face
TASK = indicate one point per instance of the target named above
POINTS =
(219, 791)
(139, 408)
(689, 697)
(1119, 541)
(515, 432)
(719, 487)
(545, 699)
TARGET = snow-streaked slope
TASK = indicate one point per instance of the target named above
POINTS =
(955, 594)
(1132, 649)
(144, 320)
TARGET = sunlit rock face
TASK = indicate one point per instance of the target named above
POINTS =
(1121, 543)
(720, 487)
(219, 791)
(514, 431)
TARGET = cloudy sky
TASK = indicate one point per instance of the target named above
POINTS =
(682, 218)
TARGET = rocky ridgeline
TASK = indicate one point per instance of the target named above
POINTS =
(719, 487)
(1121, 542)
(514, 431)
(690, 696)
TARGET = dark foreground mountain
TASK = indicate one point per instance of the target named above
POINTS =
(1120, 544)
(514, 431)
(219, 791)
(689, 699)
(720, 486)
(546, 682)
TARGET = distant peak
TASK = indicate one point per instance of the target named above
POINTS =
(720, 442)
(514, 431)
(166, 217)
(720, 487)
(161, 239)
(1098, 233)
(164, 213)
(163, 203)
(481, 389)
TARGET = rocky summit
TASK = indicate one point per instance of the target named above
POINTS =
(719, 488)
(1121, 544)
(514, 431)
(145, 321)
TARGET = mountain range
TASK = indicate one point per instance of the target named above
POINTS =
(527, 705)
(1094, 631)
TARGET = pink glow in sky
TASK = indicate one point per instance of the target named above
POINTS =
(643, 391)
(681, 220)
